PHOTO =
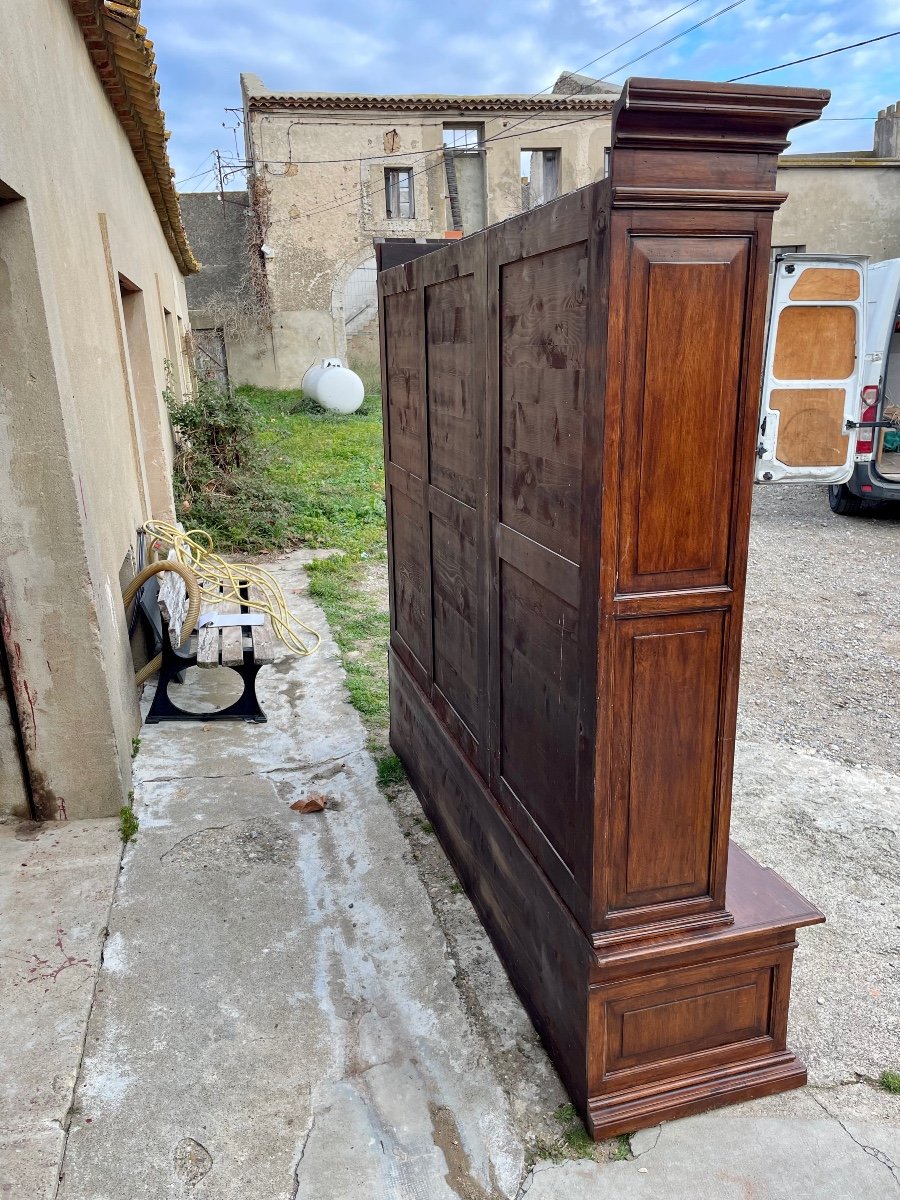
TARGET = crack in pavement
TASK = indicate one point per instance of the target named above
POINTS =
(296, 1188)
(281, 769)
(66, 1123)
(872, 1151)
(641, 1153)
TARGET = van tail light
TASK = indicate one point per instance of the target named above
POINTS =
(865, 439)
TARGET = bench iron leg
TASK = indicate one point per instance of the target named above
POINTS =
(245, 708)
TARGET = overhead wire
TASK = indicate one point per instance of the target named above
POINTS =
(684, 32)
(362, 191)
(812, 57)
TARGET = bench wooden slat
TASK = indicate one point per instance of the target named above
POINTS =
(232, 637)
(208, 638)
(173, 602)
(262, 635)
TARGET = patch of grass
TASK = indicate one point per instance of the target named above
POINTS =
(889, 1081)
(456, 887)
(135, 746)
(128, 822)
(329, 469)
(390, 771)
(579, 1142)
(623, 1148)
(324, 476)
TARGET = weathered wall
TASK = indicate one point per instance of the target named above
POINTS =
(324, 215)
(840, 207)
(218, 232)
(87, 442)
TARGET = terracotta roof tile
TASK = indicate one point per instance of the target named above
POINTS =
(123, 58)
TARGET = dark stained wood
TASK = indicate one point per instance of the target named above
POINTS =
(570, 408)
(680, 396)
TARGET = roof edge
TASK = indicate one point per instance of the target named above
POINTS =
(113, 38)
(256, 96)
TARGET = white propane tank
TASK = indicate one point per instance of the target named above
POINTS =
(334, 386)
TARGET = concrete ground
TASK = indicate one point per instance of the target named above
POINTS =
(56, 888)
(304, 1006)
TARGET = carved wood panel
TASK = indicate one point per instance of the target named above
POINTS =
(683, 356)
(664, 774)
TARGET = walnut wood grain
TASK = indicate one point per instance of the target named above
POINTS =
(571, 402)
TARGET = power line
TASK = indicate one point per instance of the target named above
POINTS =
(497, 137)
(366, 189)
(585, 87)
(811, 57)
(721, 12)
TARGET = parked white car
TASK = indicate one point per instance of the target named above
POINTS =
(830, 410)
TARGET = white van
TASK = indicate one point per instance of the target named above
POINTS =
(830, 410)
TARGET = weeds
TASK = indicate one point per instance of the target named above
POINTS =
(623, 1148)
(221, 478)
(135, 746)
(128, 822)
(577, 1139)
(889, 1081)
(390, 771)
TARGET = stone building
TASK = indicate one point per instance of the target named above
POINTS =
(844, 202)
(92, 322)
(330, 173)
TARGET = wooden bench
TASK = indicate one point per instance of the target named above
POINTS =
(243, 646)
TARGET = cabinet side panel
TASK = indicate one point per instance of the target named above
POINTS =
(403, 375)
(454, 408)
(665, 779)
(410, 600)
(539, 666)
(453, 574)
(542, 357)
(683, 373)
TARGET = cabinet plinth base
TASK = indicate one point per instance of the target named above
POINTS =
(624, 1112)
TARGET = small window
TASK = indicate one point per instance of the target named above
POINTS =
(607, 161)
(399, 196)
(463, 139)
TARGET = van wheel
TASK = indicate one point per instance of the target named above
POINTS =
(842, 500)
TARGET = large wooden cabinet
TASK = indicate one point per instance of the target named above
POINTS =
(570, 403)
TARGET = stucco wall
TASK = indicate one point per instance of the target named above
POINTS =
(87, 442)
(840, 209)
(323, 216)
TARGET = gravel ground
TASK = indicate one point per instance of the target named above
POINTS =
(821, 650)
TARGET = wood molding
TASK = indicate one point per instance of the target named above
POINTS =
(669, 114)
(682, 198)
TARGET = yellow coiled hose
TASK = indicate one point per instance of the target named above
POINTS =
(193, 612)
(221, 581)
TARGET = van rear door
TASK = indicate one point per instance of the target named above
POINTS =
(813, 365)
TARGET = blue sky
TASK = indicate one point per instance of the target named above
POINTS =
(407, 46)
